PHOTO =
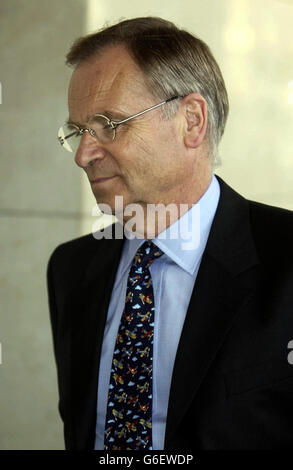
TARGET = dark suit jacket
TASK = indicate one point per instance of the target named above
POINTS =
(232, 383)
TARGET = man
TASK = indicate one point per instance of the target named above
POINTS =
(205, 362)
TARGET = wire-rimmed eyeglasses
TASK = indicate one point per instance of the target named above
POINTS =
(100, 127)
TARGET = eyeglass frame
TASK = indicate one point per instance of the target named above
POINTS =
(114, 124)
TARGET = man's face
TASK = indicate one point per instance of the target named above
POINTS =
(144, 161)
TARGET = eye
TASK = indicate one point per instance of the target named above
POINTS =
(120, 128)
(101, 128)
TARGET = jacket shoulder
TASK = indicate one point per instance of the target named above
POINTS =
(82, 247)
(271, 218)
(70, 259)
(272, 229)
(73, 249)
(266, 211)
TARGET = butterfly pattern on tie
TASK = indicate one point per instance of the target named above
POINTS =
(128, 424)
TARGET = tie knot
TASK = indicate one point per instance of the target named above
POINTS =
(146, 254)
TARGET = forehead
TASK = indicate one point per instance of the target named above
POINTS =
(109, 81)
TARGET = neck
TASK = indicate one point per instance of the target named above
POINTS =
(148, 220)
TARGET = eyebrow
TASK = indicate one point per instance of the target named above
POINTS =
(108, 113)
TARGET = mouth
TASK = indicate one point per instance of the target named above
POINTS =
(101, 180)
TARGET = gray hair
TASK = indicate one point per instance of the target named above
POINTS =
(173, 61)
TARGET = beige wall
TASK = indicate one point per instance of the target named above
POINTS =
(39, 208)
(44, 198)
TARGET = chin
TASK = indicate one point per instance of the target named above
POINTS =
(109, 206)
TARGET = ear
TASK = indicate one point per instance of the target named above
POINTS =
(195, 115)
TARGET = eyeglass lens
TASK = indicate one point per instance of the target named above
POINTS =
(69, 135)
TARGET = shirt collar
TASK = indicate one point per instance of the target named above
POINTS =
(193, 230)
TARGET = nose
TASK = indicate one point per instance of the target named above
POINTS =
(89, 150)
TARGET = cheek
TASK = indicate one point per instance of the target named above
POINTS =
(149, 155)
(138, 154)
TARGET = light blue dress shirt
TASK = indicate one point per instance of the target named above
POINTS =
(173, 275)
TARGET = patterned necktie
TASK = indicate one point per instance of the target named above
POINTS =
(128, 423)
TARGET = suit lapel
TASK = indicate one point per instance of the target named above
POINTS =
(223, 284)
(88, 304)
